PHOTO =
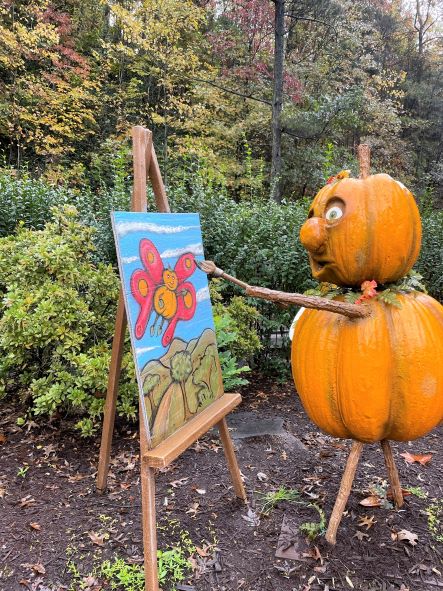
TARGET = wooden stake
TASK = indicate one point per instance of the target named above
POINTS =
(345, 489)
(364, 159)
(392, 473)
(231, 458)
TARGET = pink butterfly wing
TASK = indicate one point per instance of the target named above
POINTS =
(185, 310)
(185, 266)
(143, 284)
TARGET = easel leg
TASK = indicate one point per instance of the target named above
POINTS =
(232, 460)
(149, 527)
(392, 473)
(111, 395)
(345, 489)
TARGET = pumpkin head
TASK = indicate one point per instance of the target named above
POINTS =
(362, 229)
(379, 377)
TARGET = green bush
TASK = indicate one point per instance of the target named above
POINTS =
(430, 263)
(57, 320)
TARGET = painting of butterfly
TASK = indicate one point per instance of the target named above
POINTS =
(163, 294)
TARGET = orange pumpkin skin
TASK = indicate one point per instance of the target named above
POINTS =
(378, 236)
(375, 378)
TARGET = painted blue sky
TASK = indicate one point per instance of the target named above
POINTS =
(173, 234)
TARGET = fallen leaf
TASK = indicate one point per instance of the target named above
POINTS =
(262, 476)
(251, 518)
(366, 521)
(200, 491)
(35, 526)
(96, 538)
(37, 567)
(27, 501)
(360, 535)
(371, 501)
(193, 509)
(350, 583)
(284, 455)
(419, 458)
(404, 534)
(179, 482)
(2, 438)
(405, 493)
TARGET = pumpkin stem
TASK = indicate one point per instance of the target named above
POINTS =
(364, 159)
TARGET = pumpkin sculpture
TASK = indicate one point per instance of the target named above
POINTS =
(369, 372)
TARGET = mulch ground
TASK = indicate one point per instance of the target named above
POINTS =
(52, 515)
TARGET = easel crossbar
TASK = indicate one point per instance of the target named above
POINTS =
(172, 447)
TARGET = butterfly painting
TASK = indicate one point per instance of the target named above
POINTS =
(162, 293)
(169, 315)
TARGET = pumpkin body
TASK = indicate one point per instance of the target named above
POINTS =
(375, 378)
(377, 236)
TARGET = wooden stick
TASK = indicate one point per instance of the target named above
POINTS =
(345, 489)
(231, 458)
(343, 308)
(364, 159)
(111, 395)
(296, 299)
(155, 177)
(394, 480)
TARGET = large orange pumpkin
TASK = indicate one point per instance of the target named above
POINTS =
(361, 229)
(375, 378)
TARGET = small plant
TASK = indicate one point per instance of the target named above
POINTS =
(22, 471)
(313, 529)
(417, 491)
(270, 500)
(121, 575)
(435, 519)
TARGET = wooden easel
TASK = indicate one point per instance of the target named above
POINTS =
(145, 164)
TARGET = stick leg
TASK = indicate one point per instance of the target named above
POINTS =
(111, 395)
(231, 459)
(343, 493)
(392, 473)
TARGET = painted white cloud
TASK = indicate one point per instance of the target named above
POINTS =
(128, 260)
(195, 249)
(203, 294)
(141, 350)
(124, 228)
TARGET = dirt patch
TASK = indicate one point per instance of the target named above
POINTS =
(51, 511)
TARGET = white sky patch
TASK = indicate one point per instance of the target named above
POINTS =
(194, 249)
(124, 228)
(141, 350)
(203, 294)
(128, 260)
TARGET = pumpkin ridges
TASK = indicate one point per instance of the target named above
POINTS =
(421, 339)
(364, 377)
(400, 348)
(318, 399)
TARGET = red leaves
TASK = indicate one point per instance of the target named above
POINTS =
(418, 458)
(368, 291)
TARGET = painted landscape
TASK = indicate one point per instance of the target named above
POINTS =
(181, 383)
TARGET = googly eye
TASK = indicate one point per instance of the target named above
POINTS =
(334, 213)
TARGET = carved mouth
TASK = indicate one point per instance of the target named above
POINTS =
(318, 265)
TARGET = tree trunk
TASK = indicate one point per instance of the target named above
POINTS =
(277, 102)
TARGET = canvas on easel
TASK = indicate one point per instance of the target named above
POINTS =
(180, 383)
(169, 316)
